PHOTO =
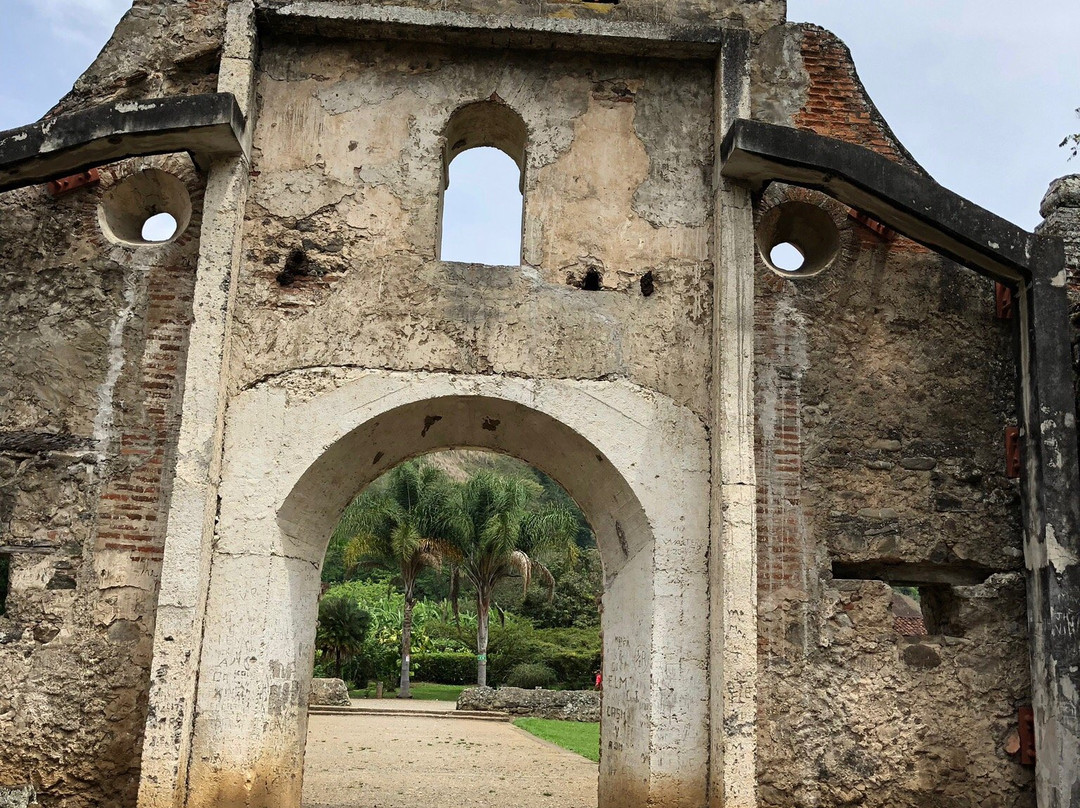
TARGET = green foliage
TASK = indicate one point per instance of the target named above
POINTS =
(580, 737)
(380, 657)
(343, 627)
(531, 675)
(577, 597)
(334, 564)
(573, 654)
(498, 532)
(445, 667)
(910, 591)
(462, 464)
(400, 529)
(502, 528)
(398, 526)
(432, 630)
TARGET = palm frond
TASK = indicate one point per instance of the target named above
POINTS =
(552, 533)
(522, 563)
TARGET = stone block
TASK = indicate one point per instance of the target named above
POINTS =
(329, 693)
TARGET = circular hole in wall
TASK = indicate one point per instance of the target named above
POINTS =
(159, 227)
(798, 239)
(786, 257)
(151, 207)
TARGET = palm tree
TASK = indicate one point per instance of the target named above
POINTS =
(343, 626)
(498, 532)
(399, 528)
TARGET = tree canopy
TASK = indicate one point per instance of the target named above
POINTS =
(343, 626)
(499, 525)
(402, 529)
(499, 531)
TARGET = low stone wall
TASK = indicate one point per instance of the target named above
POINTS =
(328, 693)
(564, 705)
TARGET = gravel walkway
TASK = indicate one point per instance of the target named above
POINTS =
(413, 762)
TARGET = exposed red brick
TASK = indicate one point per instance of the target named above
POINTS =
(839, 107)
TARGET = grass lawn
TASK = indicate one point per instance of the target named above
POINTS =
(429, 692)
(577, 736)
(421, 691)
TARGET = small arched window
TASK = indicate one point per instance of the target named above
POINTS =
(483, 185)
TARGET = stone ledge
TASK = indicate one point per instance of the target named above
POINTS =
(203, 125)
(619, 37)
(905, 201)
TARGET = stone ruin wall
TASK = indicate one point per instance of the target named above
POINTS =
(94, 348)
(1061, 218)
(891, 451)
(883, 389)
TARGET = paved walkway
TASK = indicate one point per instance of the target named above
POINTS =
(389, 761)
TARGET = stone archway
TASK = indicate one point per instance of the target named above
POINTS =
(300, 447)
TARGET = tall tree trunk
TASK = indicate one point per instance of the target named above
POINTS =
(483, 608)
(406, 645)
(337, 661)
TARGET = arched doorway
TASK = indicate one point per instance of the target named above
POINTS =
(298, 449)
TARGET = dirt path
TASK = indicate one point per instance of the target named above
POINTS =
(414, 762)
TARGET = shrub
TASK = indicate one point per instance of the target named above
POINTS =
(530, 675)
(373, 663)
(573, 653)
(574, 670)
(445, 668)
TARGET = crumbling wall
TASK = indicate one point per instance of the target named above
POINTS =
(93, 349)
(883, 386)
(1060, 210)
(159, 48)
(342, 230)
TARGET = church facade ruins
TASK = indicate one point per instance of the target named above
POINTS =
(763, 453)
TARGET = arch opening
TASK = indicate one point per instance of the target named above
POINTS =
(614, 448)
(482, 196)
(315, 505)
(389, 589)
(623, 534)
(798, 239)
(149, 208)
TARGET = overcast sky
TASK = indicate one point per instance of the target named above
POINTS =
(981, 91)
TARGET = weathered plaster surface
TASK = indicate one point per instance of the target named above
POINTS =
(348, 162)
